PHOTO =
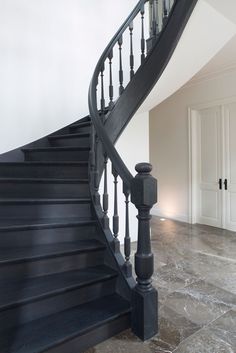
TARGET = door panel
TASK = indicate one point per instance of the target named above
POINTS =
(230, 164)
(210, 167)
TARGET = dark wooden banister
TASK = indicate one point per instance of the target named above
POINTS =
(112, 153)
(106, 128)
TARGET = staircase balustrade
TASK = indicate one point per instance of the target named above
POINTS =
(142, 189)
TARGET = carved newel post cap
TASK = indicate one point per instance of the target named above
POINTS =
(144, 186)
(143, 168)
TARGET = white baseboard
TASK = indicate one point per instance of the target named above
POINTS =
(176, 217)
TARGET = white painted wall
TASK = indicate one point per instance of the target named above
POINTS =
(169, 140)
(49, 49)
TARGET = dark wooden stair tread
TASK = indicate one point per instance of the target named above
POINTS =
(19, 223)
(72, 135)
(40, 163)
(43, 180)
(80, 124)
(46, 149)
(43, 334)
(44, 201)
(19, 254)
(31, 289)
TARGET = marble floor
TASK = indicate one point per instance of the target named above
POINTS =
(195, 274)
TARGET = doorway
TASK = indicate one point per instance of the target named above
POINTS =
(213, 165)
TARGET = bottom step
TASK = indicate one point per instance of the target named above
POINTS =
(70, 331)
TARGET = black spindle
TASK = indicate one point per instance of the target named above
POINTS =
(165, 11)
(157, 17)
(102, 90)
(121, 74)
(142, 11)
(105, 195)
(111, 89)
(131, 27)
(127, 245)
(96, 174)
(115, 216)
(154, 21)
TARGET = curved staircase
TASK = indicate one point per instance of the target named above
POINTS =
(64, 283)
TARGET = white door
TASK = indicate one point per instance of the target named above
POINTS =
(230, 166)
(209, 210)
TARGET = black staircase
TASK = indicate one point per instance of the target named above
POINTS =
(64, 283)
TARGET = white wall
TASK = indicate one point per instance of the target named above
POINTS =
(49, 49)
(169, 140)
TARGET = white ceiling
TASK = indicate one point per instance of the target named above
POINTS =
(206, 33)
(226, 7)
(225, 59)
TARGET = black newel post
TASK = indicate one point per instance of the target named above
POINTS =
(144, 196)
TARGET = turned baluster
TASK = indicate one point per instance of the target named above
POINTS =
(121, 74)
(142, 11)
(92, 150)
(157, 17)
(102, 91)
(127, 244)
(144, 196)
(96, 174)
(131, 27)
(165, 11)
(111, 89)
(115, 215)
(154, 18)
(105, 195)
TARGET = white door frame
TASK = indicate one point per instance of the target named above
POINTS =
(192, 146)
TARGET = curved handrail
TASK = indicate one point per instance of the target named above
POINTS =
(111, 151)
(179, 22)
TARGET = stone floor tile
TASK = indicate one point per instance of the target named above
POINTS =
(218, 337)
(199, 306)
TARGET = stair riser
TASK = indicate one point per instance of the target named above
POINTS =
(92, 338)
(55, 303)
(70, 142)
(80, 129)
(43, 190)
(57, 156)
(45, 210)
(51, 265)
(34, 237)
(44, 171)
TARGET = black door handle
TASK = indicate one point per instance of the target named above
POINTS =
(220, 184)
(226, 184)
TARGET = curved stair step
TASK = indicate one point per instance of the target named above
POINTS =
(31, 169)
(32, 253)
(22, 232)
(45, 208)
(73, 140)
(80, 127)
(43, 187)
(57, 154)
(25, 291)
(80, 327)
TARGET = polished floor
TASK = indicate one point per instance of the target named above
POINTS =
(195, 274)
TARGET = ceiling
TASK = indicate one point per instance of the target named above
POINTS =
(225, 59)
(206, 33)
(226, 7)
